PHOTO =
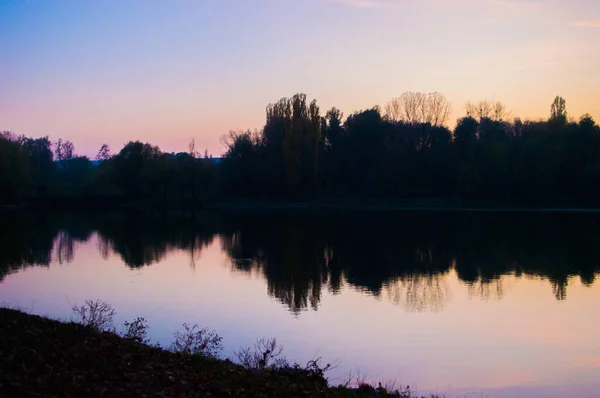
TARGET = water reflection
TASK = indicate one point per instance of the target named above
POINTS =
(400, 257)
(419, 292)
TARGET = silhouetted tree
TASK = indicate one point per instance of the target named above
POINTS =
(103, 153)
(64, 150)
(41, 166)
(419, 108)
(558, 110)
(14, 170)
(493, 110)
(135, 167)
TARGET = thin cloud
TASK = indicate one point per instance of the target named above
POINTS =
(369, 3)
(587, 24)
(517, 5)
(512, 4)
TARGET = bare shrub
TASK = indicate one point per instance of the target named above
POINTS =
(361, 378)
(136, 330)
(390, 385)
(97, 314)
(315, 368)
(194, 340)
(265, 353)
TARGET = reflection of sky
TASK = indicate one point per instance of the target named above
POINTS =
(164, 72)
(526, 343)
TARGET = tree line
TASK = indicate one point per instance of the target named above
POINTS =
(405, 151)
(401, 151)
(38, 169)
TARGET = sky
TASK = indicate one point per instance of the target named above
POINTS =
(165, 72)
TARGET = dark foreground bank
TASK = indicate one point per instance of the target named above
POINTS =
(42, 357)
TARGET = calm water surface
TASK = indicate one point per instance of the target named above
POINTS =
(504, 305)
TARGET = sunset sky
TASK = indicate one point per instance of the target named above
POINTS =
(111, 71)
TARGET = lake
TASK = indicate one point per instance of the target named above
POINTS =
(466, 304)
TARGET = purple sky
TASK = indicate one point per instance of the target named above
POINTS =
(164, 72)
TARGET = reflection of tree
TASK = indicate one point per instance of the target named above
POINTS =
(287, 254)
(334, 281)
(295, 278)
(408, 255)
(25, 241)
(67, 238)
(71, 233)
(65, 246)
(28, 239)
(104, 247)
(489, 289)
(300, 255)
(404, 257)
(143, 239)
(559, 288)
(419, 292)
